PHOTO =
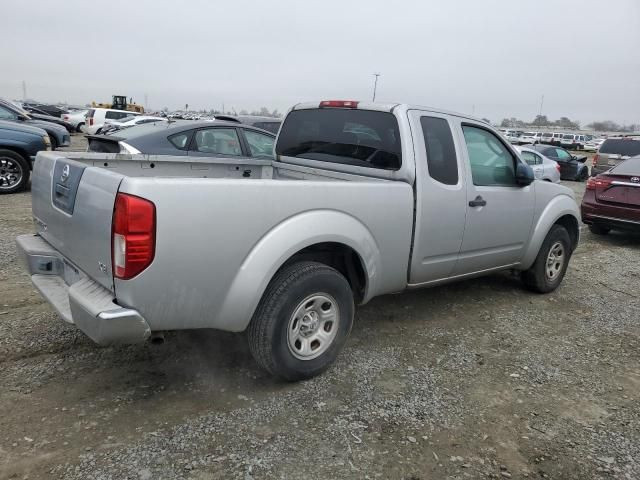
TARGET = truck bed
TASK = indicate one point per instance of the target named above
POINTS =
(222, 228)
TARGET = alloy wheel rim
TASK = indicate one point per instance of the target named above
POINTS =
(313, 326)
(10, 173)
(555, 261)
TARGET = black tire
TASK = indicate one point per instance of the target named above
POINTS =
(79, 127)
(99, 131)
(14, 172)
(54, 142)
(268, 332)
(599, 229)
(536, 278)
(582, 175)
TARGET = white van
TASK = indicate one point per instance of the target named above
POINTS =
(96, 117)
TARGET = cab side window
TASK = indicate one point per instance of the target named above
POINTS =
(492, 164)
(441, 152)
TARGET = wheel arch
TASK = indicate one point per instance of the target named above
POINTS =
(561, 210)
(330, 237)
(20, 151)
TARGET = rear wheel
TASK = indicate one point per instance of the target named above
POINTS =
(582, 175)
(547, 272)
(599, 229)
(302, 321)
(14, 172)
(79, 127)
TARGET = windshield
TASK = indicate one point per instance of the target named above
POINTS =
(361, 138)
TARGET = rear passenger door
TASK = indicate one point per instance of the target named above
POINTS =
(499, 211)
(440, 198)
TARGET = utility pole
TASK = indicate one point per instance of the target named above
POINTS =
(375, 85)
(541, 103)
(24, 90)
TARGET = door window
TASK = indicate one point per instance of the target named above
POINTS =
(6, 114)
(562, 155)
(491, 162)
(441, 153)
(222, 141)
(260, 145)
(531, 158)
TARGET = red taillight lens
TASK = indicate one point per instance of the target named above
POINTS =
(558, 167)
(594, 161)
(91, 122)
(598, 182)
(134, 235)
(339, 103)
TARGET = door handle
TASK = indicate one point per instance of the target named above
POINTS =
(478, 202)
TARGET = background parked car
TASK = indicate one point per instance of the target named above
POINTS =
(19, 144)
(612, 152)
(38, 114)
(572, 167)
(45, 108)
(573, 141)
(543, 167)
(530, 138)
(188, 138)
(593, 144)
(111, 126)
(612, 199)
(97, 116)
(58, 135)
(76, 118)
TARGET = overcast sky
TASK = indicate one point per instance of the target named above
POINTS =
(494, 57)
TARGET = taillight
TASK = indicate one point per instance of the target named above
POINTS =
(558, 167)
(339, 103)
(91, 122)
(594, 161)
(134, 235)
(598, 182)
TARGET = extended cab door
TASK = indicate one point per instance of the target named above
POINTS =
(441, 198)
(499, 211)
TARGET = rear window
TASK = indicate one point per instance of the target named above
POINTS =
(547, 134)
(362, 138)
(567, 136)
(619, 146)
(90, 113)
(628, 167)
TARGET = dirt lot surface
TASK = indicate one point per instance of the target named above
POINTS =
(480, 379)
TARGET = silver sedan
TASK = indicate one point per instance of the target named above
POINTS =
(543, 167)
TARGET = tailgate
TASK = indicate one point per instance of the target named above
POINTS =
(73, 208)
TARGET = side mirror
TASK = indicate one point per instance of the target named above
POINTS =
(524, 174)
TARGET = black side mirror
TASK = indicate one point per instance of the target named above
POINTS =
(524, 174)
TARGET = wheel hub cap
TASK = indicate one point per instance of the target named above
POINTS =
(10, 173)
(313, 326)
(555, 261)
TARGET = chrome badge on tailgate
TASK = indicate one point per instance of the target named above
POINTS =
(66, 178)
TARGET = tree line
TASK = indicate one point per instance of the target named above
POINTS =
(565, 122)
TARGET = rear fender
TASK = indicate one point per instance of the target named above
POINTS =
(558, 207)
(280, 244)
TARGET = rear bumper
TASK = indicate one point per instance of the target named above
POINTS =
(78, 299)
(617, 218)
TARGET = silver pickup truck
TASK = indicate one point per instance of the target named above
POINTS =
(361, 200)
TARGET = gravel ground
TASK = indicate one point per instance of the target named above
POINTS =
(480, 379)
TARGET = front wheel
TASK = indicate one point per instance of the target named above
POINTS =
(302, 321)
(547, 272)
(54, 142)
